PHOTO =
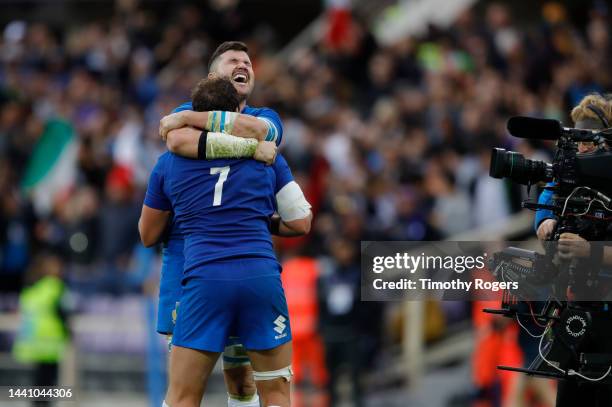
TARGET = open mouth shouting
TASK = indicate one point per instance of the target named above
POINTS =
(240, 77)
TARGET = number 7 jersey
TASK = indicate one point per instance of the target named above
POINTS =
(221, 207)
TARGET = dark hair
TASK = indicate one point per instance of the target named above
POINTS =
(224, 47)
(215, 94)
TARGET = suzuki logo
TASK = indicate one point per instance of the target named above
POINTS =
(280, 324)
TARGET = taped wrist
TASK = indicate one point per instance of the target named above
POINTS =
(220, 145)
(220, 121)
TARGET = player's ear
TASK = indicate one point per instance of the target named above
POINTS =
(212, 75)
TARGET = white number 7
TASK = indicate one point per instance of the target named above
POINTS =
(223, 171)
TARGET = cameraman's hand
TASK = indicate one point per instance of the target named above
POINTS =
(546, 229)
(571, 246)
(265, 152)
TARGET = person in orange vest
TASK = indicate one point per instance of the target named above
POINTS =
(496, 344)
(299, 278)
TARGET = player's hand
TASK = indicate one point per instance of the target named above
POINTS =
(572, 245)
(546, 229)
(171, 122)
(265, 152)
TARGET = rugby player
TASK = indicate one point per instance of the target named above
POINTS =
(229, 60)
(273, 122)
(232, 279)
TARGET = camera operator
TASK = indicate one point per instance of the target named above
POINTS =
(594, 112)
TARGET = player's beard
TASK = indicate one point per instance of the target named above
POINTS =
(243, 97)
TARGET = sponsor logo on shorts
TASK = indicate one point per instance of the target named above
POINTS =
(280, 327)
(174, 312)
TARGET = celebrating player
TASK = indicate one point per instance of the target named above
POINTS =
(231, 277)
(229, 60)
(273, 121)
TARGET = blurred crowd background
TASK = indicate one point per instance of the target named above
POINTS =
(389, 138)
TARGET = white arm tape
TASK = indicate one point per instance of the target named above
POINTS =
(291, 203)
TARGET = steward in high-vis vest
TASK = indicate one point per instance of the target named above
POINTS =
(43, 334)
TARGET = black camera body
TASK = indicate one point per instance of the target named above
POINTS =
(582, 183)
(568, 169)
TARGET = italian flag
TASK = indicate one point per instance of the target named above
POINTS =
(51, 170)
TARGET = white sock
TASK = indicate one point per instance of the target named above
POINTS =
(253, 402)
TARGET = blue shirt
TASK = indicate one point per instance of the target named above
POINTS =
(545, 198)
(174, 239)
(221, 207)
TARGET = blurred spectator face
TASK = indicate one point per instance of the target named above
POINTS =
(343, 251)
(598, 34)
(236, 65)
(381, 69)
(52, 266)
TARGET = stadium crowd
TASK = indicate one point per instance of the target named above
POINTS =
(388, 142)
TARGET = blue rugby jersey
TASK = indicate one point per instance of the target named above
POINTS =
(221, 207)
(174, 239)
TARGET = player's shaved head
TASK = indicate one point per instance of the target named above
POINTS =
(223, 48)
(215, 93)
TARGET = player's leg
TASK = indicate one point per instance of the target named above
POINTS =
(202, 326)
(263, 326)
(188, 376)
(272, 373)
(238, 375)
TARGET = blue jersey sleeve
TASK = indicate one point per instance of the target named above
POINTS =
(275, 130)
(184, 106)
(155, 197)
(283, 173)
(543, 214)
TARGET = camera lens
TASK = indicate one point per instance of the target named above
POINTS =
(513, 165)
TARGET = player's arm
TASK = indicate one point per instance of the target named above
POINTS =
(151, 225)
(237, 124)
(266, 127)
(294, 215)
(193, 143)
(294, 228)
(156, 206)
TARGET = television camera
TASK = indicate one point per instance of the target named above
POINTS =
(575, 318)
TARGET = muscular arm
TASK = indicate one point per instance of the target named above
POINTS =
(237, 124)
(294, 228)
(186, 143)
(294, 215)
(151, 225)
